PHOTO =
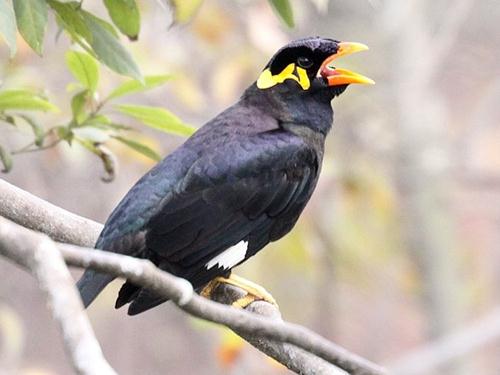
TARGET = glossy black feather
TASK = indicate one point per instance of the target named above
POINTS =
(244, 176)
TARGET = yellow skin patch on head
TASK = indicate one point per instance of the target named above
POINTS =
(267, 79)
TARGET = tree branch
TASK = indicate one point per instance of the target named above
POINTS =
(274, 337)
(142, 272)
(32, 212)
(297, 360)
(39, 254)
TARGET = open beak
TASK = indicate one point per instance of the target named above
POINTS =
(337, 76)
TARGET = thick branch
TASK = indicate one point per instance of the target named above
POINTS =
(32, 212)
(39, 254)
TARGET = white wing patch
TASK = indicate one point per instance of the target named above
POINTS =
(230, 257)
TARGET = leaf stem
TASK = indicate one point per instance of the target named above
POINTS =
(26, 149)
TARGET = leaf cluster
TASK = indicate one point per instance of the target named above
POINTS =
(95, 35)
(91, 125)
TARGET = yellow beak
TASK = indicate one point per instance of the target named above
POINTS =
(336, 76)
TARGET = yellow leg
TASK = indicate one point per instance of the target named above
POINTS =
(254, 291)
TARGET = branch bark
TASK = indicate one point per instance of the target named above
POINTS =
(34, 213)
(295, 359)
(274, 337)
(39, 254)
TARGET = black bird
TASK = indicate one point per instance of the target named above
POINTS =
(240, 182)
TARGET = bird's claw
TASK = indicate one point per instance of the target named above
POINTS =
(254, 292)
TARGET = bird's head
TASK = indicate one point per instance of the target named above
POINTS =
(306, 65)
(298, 83)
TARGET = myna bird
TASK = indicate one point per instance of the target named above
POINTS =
(240, 182)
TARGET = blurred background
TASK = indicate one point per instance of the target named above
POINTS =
(398, 249)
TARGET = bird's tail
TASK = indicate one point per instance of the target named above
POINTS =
(91, 284)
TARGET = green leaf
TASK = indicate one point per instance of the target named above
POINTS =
(109, 50)
(139, 147)
(103, 122)
(98, 119)
(8, 26)
(78, 106)
(284, 10)
(104, 24)
(71, 19)
(84, 68)
(96, 35)
(134, 86)
(184, 10)
(65, 133)
(26, 100)
(125, 16)
(38, 129)
(6, 160)
(157, 118)
(31, 16)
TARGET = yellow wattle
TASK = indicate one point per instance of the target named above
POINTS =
(303, 78)
(267, 79)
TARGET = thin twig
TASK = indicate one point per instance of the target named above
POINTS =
(26, 149)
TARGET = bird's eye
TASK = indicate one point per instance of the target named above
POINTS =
(304, 62)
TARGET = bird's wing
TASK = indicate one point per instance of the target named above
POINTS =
(252, 189)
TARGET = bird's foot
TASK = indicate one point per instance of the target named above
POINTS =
(254, 292)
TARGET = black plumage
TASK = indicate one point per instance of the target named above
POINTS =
(246, 176)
